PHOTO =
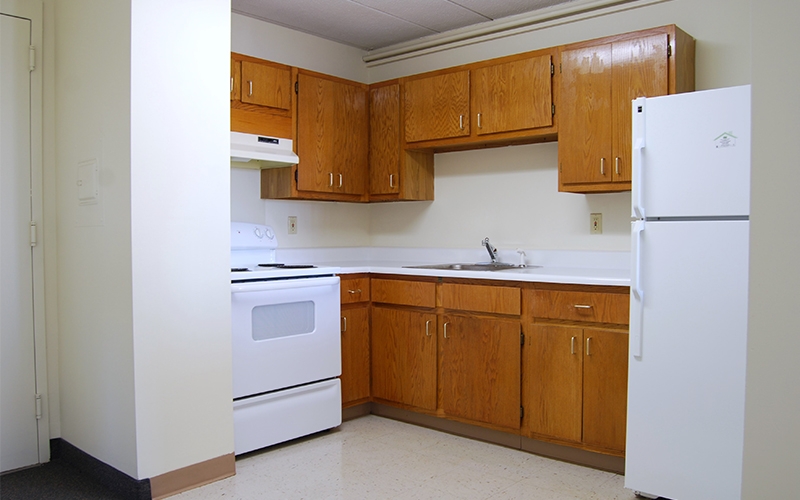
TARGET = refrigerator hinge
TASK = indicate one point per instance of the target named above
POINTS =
(33, 233)
(31, 57)
(38, 400)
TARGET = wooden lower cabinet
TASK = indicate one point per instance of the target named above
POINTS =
(404, 357)
(480, 369)
(355, 354)
(575, 386)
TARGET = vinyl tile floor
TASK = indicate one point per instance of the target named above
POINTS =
(377, 458)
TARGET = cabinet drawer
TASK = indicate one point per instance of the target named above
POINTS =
(596, 307)
(354, 290)
(481, 298)
(407, 293)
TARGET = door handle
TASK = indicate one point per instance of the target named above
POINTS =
(340, 180)
(331, 179)
(344, 324)
(602, 166)
(572, 346)
(637, 294)
(616, 165)
(391, 180)
(461, 122)
(251, 86)
(427, 328)
(588, 341)
(445, 329)
(479, 120)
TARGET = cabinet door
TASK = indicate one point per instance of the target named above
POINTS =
(266, 85)
(584, 135)
(639, 70)
(236, 80)
(384, 139)
(480, 369)
(605, 388)
(553, 374)
(350, 138)
(355, 354)
(404, 357)
(513, 96)
(437, 107)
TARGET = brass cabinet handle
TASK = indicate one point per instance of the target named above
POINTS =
(582, 306)
(344, 324)
(572, 346)
(588, 339)
(616, 165)
(461, 122)
(602, 166)
(340, 180)
(331, 174)
(354, 291)
(231, 84)
(251, 86)
(391, 180)
(479, 120)
(427, 328)
(445, 329)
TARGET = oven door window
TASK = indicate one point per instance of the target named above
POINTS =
(276, 321)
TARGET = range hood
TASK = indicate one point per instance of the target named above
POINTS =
(268, 152)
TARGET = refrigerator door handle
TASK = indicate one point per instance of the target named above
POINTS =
(638, 157)
(637, 294)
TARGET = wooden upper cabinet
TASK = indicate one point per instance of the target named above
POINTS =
(384, 140)
(437, 107)
(236, 79)
(332, 135)
(599, 79)
(515, 95)
(265, 84)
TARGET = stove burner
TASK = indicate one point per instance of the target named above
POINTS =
(288, 266)
(239, 269)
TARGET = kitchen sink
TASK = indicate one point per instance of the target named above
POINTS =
(480, 266)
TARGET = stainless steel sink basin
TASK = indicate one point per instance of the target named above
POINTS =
(480, 266)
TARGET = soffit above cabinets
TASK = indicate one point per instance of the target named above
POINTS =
(374, 24)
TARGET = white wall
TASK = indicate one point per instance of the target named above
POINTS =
(92, 121)
(772, 426)
(180, 232)
(509, 194)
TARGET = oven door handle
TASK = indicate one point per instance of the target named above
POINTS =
(283, 284)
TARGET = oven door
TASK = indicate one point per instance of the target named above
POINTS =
(285, 333)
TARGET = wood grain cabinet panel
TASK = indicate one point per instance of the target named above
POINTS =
(437, 107)
(404, 357)
(481, 298)
(355, 354)
(480, 369)
(605, 388)
(599, 79)
(266, 85)
(594, 307)
(403, 292)
(552, 385)
(236, 79)
(511, 96)
(354, 289)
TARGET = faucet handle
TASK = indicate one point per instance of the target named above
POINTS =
(522, 254)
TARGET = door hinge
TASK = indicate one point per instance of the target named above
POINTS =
(296, 87)
(559, 68)
(521, 339)
(553, 109)
(552, 69)
(31, 58)
(669, 50)
(33, 233)
(521, 412)
(296, 178)
(38, 406)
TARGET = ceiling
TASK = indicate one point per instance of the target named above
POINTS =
(375, 24)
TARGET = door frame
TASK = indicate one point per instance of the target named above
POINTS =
(33, 10)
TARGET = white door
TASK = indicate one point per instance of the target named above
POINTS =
(19, 442)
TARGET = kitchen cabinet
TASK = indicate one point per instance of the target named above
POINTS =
(575, 366)
(404, 348)
(599, 78)
(479, 355)
(394, 174)
(261, 97)
(513, 95)
(332, 134)
(355, 330)
(436, 106)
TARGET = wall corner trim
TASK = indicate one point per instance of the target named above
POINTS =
(192, 476)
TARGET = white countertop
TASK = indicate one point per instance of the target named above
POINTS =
(569, 267)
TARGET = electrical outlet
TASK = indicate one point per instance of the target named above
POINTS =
(596, 223)
(292, 224)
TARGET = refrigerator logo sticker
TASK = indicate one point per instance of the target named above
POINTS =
(725, 140)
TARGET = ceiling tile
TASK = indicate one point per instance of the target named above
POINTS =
(495, 10)
(437, 15)
(339, 20)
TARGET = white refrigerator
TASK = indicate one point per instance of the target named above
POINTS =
(689, 283)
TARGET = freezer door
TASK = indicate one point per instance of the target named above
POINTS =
(694, 154)
(687, 381)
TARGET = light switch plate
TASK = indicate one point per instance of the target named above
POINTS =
(292, 224)
(595, 223)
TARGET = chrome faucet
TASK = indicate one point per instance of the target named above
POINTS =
(490, 248)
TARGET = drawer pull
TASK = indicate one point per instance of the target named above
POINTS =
(427, 328)
(582, 306)
(354, 291)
